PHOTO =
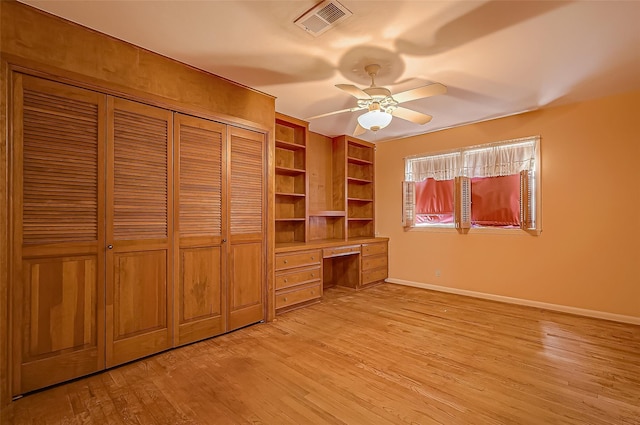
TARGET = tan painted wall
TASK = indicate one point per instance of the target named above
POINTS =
(588, 255)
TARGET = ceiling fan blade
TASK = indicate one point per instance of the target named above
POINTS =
(353, 91)
(420, 92)
(333, 113)
(410, 115)
(359, 130)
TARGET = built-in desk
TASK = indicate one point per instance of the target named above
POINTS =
(304, 270)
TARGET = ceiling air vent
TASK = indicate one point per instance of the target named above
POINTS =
(322, 17)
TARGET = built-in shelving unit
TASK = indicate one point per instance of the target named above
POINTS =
(359, 187)
(324, 187)
(290, 179)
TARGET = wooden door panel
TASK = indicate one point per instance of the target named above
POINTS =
(140, 295)
(246, 228)
(199, 181)
(199, 177)
(59, 305)
(139, 224)
(200, 283)
(58, 204)
(200, 294)
(140, 171)
(246, 270)
(247, 274)
(60, 308)
(139, 310)
(247, 176)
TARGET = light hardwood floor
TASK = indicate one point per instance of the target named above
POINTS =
(385, 355)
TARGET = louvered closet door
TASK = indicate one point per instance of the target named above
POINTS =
(247, 208)
(199, 291)
(58, 268)
(139, 227)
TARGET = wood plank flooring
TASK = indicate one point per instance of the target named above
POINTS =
(385, 355)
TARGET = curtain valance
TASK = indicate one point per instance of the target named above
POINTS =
(437, 167)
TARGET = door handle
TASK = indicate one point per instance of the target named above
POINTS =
(109, 246)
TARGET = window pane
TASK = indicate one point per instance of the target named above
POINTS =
(495, 201)
(434, 201)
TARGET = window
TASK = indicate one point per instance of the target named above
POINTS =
(430, 181)
(492, 186)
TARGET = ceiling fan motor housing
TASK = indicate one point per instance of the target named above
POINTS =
(377, 92)
(381, 99)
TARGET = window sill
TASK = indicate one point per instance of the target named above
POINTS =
(478, 230)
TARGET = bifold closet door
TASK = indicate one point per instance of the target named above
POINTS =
(139, 228)
(199, 282)
(247, 215)
(57, 289)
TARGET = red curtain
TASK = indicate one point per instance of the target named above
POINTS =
(495, 201)
(434, 201)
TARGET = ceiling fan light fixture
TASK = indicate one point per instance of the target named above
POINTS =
(382, 106)
(375, 120)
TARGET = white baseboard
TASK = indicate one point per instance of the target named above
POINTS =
(547, 306)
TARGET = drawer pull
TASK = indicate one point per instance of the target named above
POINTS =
(312, 275)
(286, 280)
(285, 299)
(313, 258)
(286, 261)
(313, 292)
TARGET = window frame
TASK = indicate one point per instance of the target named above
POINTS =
(530, 210)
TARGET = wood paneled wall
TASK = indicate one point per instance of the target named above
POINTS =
(42, 44)
(28, 38)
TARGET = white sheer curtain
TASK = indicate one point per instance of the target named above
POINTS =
(500, 160)
(438, 167)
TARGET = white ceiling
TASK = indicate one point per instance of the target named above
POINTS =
(497, 58)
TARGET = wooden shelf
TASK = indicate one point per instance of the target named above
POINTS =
(291, 219)
(289, 145)
(327, 214)
(358, 181)
(359, 199)
(361, 153)
(361, 161)
(289, 171)
(359, 218)
(327, 241)
(291, 194)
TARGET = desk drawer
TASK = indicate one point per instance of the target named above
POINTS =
(299, 295)
(340, 250)
(373, 276)
(374, 248)
(297, 259)
(287, 279)
(374, 262)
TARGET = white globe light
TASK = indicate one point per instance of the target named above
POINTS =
(375, 120)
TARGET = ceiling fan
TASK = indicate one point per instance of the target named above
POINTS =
(382, 106)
